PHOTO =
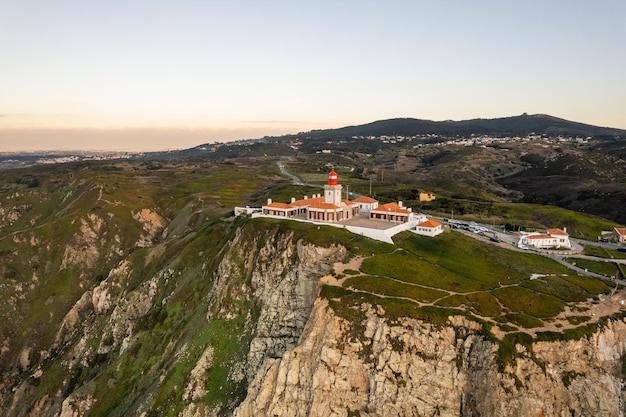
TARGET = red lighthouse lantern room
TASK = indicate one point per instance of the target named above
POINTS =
(332, 178)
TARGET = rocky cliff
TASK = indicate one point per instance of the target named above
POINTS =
(167, 334)
(412, 368)
(122, 300)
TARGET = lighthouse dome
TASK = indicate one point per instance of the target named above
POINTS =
(332, 178)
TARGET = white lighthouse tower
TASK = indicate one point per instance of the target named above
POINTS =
(332, 190)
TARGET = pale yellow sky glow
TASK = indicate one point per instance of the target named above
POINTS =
(144, 75)
(127, 139)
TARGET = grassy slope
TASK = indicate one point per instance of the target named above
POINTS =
(432, 278)
(32, 249)
(463, 178)
(451, 274)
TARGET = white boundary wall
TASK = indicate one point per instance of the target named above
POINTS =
(246, 210)
(383, 235)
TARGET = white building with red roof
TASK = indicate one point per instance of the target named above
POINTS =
(429, 228)
(553, 238)
(619, 234)
(330, 208)
(392, 212)
(366, 203)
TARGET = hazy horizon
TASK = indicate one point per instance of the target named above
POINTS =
(123, 140)
(192, 72)
(143, 139)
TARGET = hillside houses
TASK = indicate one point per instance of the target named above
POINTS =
(363, 215)
(366, 204)
(553, 238)
(330, 208)
(619, 234)
(429, 228)
(392, 212)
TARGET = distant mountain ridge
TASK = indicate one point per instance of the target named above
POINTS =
(515, 125)
(522, 125)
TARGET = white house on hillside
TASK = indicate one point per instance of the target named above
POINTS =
(553, 238)
(366, 203)
(329, 208)
(619, 234)
(429, 228)
(392, 212)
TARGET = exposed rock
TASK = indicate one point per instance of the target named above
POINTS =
(84, 250)
(152, 223)
(77, 314)
(299, 357)
(78, 403)
(419, 369)
(284, 276)
(195, 389)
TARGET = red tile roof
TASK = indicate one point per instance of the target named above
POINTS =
(539, 236)
(325, 206)
(557, 232)
(315, 202)
(620, 230)
(279, 205)
(430, 223)
(308, 201)
(392, 207)
(364, 199)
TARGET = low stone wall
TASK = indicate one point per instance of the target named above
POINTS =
(383, 235)
(376, 234)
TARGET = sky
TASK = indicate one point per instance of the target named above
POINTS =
(158, 74)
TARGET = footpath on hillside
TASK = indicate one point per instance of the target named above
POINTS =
(589, 311)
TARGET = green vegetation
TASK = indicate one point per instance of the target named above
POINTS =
(608, 269)
(580, 225)
(480, 303)
(453, 274)
(323, 235)
(507, 351)
(72, 228)
(484, 304)
(64, 229)
(392, 288)
(568, 288)
(524, 320)
(590, 285)
(569, 376)
(601, 252)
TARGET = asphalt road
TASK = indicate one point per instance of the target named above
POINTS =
(509, 241)
(296, 180)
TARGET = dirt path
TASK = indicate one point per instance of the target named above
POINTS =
(588, 312)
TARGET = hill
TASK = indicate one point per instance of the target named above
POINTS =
(129, 289)
(517, 125)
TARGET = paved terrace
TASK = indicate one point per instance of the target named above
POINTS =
(361, 224)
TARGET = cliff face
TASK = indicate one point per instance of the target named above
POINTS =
(151, 313)
(412, 368)
(279, 275)
(176, 329)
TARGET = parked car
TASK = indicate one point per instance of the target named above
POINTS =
(494, 239)
(621, 249)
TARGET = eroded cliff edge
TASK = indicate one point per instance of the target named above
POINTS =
(227, 319)
(411, 367)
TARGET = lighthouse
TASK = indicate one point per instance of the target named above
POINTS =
(332, 190)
